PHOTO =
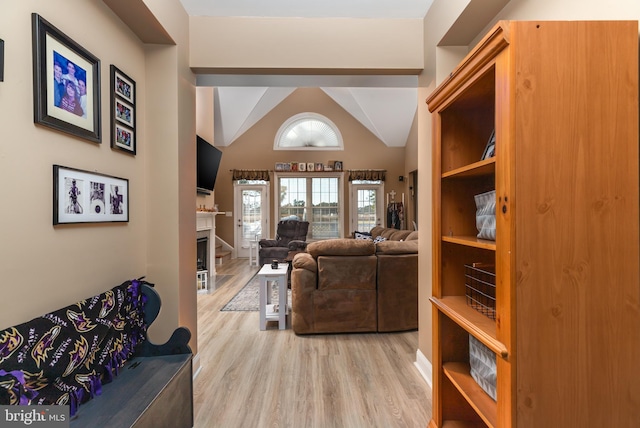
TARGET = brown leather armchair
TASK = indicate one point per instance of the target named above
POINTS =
(291, 235)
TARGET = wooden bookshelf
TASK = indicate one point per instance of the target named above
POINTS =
(562, 98)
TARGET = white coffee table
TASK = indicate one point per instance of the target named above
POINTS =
(267, 309)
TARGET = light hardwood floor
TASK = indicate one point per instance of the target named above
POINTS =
(274, 378)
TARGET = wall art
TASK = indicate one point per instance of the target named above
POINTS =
(88, 197)
(66, 83)
(123, 114)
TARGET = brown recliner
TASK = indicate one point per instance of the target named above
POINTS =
(291, 235)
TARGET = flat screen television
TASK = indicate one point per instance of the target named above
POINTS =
(207, 164)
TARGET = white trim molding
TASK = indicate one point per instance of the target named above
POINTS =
(424, 367)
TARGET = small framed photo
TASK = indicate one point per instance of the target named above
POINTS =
(337, 165)
(310, 167)
(88, 197)
(319, 166)
(279, 166)
(1, 60)
(490, 148)
(66, 83)
(123, 115)
(123, 85)
(123, 112)
(294, 166)
(125, 138)
(302, 166)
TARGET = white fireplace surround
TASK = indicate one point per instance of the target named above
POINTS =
(206, 228)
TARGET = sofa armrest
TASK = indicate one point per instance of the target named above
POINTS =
(304, 280)
(297, 245)
(397, 292)
(268, 243)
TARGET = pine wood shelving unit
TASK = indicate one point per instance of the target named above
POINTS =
(563, 100)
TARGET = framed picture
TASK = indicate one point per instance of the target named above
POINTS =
(123, 115)
(124, 138)
(337, 166)
(302, 166)
(319, 166)
(310, 166)
(88, 197)
(1, 60)
(122, 85)
(123, 112)
(66, 83)
(490, 148)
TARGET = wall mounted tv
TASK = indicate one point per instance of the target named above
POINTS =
(207, 164)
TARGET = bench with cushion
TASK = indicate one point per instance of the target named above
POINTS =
(95, 357)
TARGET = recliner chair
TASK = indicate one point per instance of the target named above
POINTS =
(291, 235)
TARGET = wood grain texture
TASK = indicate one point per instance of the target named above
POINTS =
(568, 237)
(577, 223)
(273, 378)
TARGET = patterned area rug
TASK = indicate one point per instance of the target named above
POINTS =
(248, 298)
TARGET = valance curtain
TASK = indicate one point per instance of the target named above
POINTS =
(250, 174)
(367, 174)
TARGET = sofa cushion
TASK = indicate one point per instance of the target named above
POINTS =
(399, 235)
(397, 247)
(341, 247)
(387, 232)
(377, 230)
(347, 273)
(390, 234)
(412, 236)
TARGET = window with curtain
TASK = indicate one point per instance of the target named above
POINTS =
(314, 198)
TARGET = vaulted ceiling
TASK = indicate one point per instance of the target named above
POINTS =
(386, 105)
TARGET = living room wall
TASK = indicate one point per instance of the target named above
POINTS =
(43, 267)
(254, 150)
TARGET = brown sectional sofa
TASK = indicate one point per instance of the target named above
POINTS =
(354, 285)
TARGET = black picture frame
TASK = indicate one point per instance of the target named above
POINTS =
(123, 114)
(490, 148)
(88, 197)
(1, 60)
(54, 104)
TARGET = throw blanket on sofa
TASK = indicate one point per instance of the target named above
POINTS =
(65, 356)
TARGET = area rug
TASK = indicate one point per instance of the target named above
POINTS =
(248, 298)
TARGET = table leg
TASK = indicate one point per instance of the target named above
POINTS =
(263, 303)
(282, 301)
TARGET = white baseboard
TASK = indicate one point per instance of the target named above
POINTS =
(424, 367)
(195, 366)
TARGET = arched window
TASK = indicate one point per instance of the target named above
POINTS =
(308, 131)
